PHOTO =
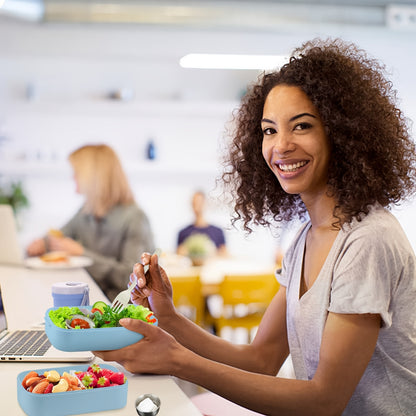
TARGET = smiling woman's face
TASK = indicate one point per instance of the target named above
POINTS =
(295, 145)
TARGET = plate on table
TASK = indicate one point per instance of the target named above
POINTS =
(73, 262)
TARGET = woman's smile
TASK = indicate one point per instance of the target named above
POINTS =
(287, 168)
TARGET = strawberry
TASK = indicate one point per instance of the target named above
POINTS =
(118, 378)
(103, 382)
(95, 369)
(89, 380)
(106, 372)
(80, 374)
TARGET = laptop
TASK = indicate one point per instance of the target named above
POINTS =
(32, 345)
(10, 249)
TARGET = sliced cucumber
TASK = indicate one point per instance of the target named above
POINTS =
(99, 305)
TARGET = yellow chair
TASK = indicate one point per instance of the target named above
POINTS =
(244, 301)
(187, 297)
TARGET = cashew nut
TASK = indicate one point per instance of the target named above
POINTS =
(61, 386)
(52, 376)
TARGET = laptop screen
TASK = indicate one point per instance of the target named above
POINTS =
(3, 324)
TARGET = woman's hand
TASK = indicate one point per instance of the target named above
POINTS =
(154, 354)
(36, 248)
(154, 289)
(70, 246)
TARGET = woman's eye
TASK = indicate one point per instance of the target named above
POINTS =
(303, 126)
(268, 130)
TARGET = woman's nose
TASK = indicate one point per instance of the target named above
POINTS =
(282, 144)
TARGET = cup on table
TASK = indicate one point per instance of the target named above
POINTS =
(70, 294)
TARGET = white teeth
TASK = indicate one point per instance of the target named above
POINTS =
(292, 167)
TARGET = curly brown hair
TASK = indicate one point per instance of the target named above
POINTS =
(372, 154)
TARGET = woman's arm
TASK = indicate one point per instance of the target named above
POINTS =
(238, 372)
(347, 346)
(267, 352)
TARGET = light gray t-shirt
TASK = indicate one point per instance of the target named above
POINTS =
(369, 269)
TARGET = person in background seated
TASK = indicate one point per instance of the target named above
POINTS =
(110, 228)
(320, 139)
(201, 226)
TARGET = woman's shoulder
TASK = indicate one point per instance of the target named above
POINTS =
(126, 212)
(379, 229)
(376, 223)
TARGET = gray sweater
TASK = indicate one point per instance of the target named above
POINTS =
(114, 243)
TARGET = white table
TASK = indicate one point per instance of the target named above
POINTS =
(26, 296)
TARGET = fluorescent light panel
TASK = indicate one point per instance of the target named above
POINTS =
(32, 10)
(227, 61)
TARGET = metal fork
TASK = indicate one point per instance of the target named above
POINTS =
(123, 298)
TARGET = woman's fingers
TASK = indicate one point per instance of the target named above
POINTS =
(155, 345)
(137, 325)
(144, 281)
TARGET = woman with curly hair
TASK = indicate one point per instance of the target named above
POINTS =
(321, 139)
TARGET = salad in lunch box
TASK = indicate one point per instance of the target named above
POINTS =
(100, 316)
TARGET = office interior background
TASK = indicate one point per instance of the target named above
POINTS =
(77, 72)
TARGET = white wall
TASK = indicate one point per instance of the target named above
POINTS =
(54, 82)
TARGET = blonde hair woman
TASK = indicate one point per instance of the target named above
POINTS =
(100, 177)
(109, 227)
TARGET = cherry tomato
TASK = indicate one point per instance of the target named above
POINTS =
(80, 322)
(96, 310)
(151, 319)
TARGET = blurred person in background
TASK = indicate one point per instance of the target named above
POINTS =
(110, 228)
(191, 235)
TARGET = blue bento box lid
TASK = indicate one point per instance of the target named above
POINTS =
(71, 402)
(94, 339)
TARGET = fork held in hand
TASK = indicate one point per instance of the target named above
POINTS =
(123, 298)
(158, 251)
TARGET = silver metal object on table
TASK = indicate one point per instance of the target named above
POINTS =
(142, 405)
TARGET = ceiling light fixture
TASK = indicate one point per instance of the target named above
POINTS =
(227, 61)
(32, 10)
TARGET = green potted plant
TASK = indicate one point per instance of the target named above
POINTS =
(199, 247)
(14, 195)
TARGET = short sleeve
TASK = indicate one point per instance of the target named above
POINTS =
(281, 276)
(291, 255)
(364, 276)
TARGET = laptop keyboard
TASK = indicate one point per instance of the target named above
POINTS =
(26, 343)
